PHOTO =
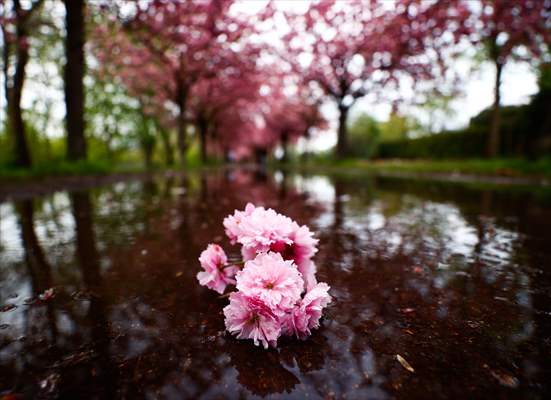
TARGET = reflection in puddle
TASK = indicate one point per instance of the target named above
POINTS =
(451, 279)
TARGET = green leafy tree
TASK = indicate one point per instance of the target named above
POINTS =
(397, 127)
(111, 117)
(364, 133)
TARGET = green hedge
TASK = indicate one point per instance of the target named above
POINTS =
(524, 130)
(470, 143)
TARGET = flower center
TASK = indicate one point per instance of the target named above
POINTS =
(269, 285)
(287, 251)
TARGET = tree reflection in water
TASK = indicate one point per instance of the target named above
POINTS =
(450, 278)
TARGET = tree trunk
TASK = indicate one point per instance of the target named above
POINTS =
(202, 127)
(147, 142)
(16, 126)
(227, 155)
(342, 145)
(17, 130)
(493, 139)
(14, 87)
(182, 139)
(148, 155)
(167, 147)
(260, 156)
(74, 76)
(284, 148)
(181, 100)
(5, 71)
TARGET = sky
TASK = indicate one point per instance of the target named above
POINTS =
(519, 83)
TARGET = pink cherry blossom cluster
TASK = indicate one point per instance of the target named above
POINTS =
(277, 291)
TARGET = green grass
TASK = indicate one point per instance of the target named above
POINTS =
(65, 168)
(494, 167)
(54, 164)
(91, 168)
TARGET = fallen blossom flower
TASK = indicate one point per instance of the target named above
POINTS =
(217, 273)
(301, 247)
(314, 302)
(261, 230)
(308, 271)
(274, 280)
(277, 290)
(232, 222)
(305, 316)
(295, 322)
(250, 318)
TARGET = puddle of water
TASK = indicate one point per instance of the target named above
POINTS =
(455, 281)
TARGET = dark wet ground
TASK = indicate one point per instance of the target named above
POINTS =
(455, 280)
